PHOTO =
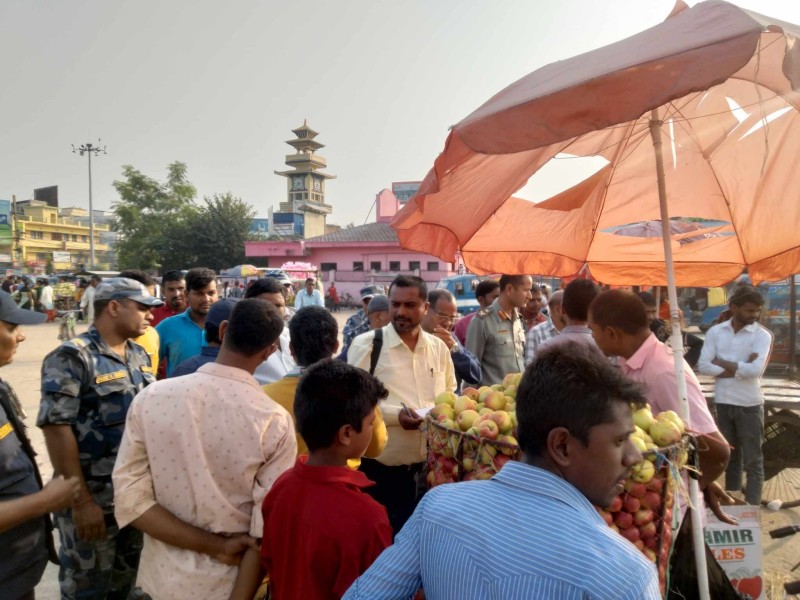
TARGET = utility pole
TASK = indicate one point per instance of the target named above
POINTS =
(89, 149)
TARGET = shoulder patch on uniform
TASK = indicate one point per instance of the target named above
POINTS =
(111, 376)
(483, 313)
(77, 342)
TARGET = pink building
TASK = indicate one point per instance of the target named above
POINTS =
(356, 257)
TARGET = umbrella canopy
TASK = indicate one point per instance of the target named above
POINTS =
(724, 86)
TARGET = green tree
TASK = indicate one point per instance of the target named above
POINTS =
(151, 218)
(216, 233)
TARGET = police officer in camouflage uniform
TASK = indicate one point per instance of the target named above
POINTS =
(88, 383)
(496, 336)
(359, 322)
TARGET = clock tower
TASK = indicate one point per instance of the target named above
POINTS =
(305, 182)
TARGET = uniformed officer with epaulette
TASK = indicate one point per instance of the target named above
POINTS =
(496, 336)
(88, 383)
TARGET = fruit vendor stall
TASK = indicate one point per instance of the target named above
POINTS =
(472, 436)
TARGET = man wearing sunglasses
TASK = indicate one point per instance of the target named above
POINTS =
(439, 321)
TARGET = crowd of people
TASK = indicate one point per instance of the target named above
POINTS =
(217, 445)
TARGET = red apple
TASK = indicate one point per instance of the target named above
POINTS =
(648, 530)
(643, 516)
(651, 500)
(655, 484)
(635, 489)
(623, 520)
(651, 542)
(639, 544)
(471, 392)
(631, 534)
(488, 430)
(630, 504)
(607, 516)
(651, 556)
(616, 505)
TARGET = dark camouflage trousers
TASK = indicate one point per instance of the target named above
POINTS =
(99, 570)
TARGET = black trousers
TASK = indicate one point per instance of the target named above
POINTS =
(397, 488)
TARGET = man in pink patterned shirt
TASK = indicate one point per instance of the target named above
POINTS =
(620, 327)
(199, 454)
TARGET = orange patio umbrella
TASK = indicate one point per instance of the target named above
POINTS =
(697, 118)
(723, 83)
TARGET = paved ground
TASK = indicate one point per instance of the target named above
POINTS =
(24, 375)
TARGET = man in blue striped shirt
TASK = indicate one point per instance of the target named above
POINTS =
(531, 531)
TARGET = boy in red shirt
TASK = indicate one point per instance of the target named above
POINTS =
(321, 531)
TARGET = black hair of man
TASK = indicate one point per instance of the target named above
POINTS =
(745, 294)
(138, 275)
(313, 333)
(514, 280)
(572, 386)
(578, 295)
(435, 295)
(310, 280)
(330, 395)
(410, 281)
(264, 285)
(620, 309)
(96, 278)
(253, 326)
(535, 289)
(486, 287)
(100, 307)
(198, 278)
(172, 276)
(648, 299)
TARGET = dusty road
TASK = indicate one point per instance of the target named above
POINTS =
(24, 375)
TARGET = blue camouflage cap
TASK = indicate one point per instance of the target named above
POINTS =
(122, 288)
(11, 313)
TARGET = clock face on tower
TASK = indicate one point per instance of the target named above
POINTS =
(297, 183)
(317, 185)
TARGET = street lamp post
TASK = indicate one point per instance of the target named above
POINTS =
(89, 149)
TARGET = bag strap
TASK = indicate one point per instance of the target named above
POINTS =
(377, 346)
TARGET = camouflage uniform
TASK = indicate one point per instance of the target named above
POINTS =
(497, 339)
(86, 385)
(355, 326)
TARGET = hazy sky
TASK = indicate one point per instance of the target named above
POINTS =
(219, 85)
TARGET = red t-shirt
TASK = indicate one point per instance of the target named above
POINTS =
(321, 531)
(162, 312)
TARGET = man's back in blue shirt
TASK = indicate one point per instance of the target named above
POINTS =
(180, 338)
(190, 365)
(528, 534)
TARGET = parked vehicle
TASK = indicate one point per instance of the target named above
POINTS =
(463, 288)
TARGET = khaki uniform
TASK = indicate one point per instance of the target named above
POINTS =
(497, 339)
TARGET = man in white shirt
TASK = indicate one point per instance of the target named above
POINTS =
(280, 362)
(47, 300)
(199, 454)
(736, 352)
(310, 296)
(87, 300)
(415, 367)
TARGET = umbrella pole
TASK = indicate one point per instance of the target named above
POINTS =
(792, 328)
(676, 341)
